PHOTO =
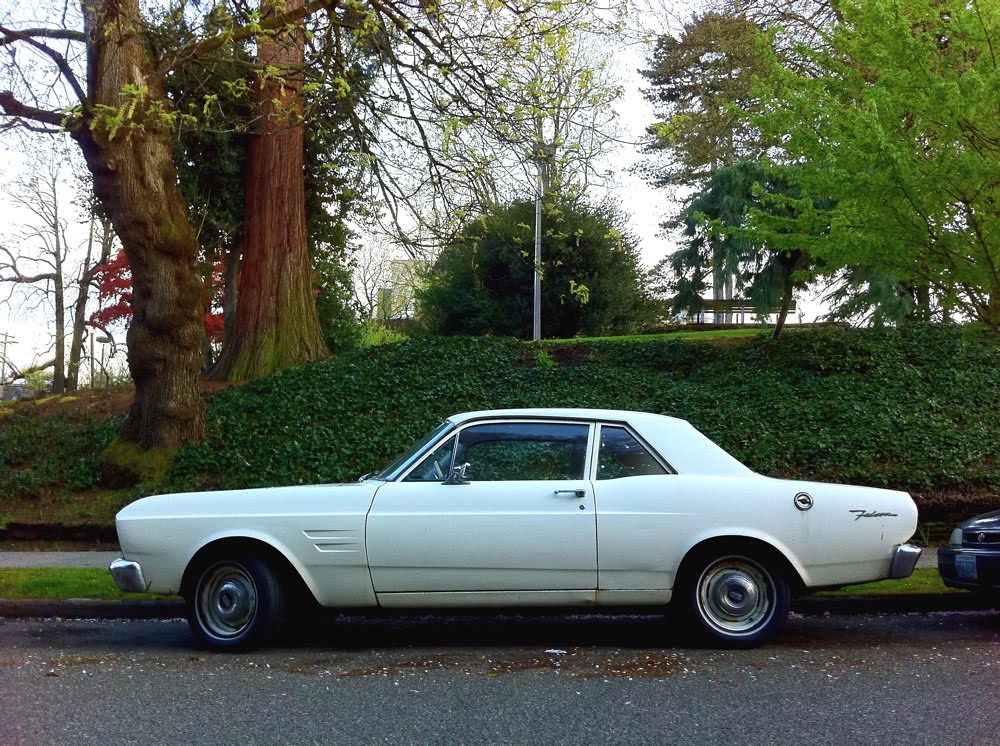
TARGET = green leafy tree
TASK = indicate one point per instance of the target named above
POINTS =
(699, 80)
(99, 71)
(716, 240)
(896, 118)
(591, 279)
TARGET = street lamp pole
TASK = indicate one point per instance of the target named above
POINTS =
(105, 341)
(543, 152)
(536, 316)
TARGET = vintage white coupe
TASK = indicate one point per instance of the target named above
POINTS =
(519, 508)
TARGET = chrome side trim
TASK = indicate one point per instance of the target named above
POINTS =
(128, 576)
(904, 559)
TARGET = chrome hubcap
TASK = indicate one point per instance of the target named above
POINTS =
(735, 595)
(227, 599)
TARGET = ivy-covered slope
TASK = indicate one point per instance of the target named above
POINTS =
(915, 408)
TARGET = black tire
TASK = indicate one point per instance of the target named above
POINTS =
(735, 600)
(234, 603)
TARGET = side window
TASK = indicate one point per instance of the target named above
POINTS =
(523, 450)
(621, 455)
(435, 466)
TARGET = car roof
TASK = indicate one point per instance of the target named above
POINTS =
(612, 415)
(686, 449)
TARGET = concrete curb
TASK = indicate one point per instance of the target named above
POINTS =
(88, 608)
(920, 603)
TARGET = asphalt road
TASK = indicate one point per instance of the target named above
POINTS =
(865, 679)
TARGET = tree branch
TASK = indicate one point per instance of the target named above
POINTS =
(14, 108)
(11, 36)
(205, 46)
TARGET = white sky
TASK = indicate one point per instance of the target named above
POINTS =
(28, 329)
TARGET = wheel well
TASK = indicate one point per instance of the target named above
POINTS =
(287, 575)
(754, 547)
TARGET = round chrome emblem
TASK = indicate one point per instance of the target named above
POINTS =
(803, 501)
(982, 537)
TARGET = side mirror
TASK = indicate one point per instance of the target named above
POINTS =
(457, 475)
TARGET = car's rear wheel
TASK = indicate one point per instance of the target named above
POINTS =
(234, 603)
(735, 600)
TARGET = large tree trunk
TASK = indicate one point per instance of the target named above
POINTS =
(276, 324)
(786, 304)
(129, 153)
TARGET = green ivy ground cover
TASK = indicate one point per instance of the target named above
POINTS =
(916, 408)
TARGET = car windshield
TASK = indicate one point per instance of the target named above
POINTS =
(392, 469)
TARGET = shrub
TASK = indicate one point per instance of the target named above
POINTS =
(915, 408)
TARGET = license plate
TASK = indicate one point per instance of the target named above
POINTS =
(965, 567)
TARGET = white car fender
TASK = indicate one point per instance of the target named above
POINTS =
(264, 538)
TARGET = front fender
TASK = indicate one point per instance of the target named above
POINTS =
(332, 583)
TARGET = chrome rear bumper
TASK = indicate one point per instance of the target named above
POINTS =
(904, 559)
(128, 575)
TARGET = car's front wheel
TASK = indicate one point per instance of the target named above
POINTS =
(234, 603)
(735, 599)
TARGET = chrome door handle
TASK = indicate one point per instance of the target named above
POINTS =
(579, 493)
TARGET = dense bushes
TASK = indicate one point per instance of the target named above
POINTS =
(482, 282)
(917, 408)
(42, 455)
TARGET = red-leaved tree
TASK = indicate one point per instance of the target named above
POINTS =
(114, 292)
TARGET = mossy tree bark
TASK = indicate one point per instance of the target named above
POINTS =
(276, 324)
(128, 147)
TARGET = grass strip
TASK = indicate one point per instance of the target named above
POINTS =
(923, 580)
(56, 583)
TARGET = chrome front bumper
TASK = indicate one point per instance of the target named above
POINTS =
(128, 576)
(904, 559)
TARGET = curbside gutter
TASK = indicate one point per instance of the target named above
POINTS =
(84, 608)
(89, 608)
(916, 603)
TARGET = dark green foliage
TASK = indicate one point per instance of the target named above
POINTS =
(916, 408)
(699, 82)
(591, 281)
(42, 455)
(716, 242)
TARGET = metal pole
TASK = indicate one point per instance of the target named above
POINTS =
(3, 357)
(3, 361)
(536, 329)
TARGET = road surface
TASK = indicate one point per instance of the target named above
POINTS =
(866, 679)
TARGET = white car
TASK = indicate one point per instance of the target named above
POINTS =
(522, 508)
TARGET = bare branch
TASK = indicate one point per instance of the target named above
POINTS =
(204, 47)
(14, 108)
(54, 55)
(9, 36)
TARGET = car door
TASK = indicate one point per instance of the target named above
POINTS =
(522, 519)
(638, 527)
